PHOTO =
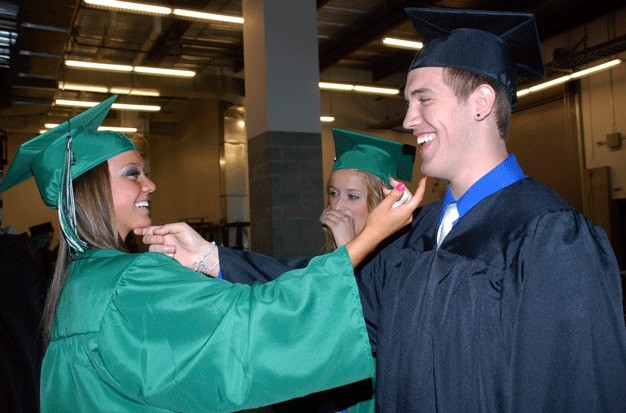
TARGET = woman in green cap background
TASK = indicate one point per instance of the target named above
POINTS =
(140, 332)
(363, 165)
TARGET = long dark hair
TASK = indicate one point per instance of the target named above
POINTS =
(95, 219)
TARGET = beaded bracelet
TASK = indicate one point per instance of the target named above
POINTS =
(202, 264)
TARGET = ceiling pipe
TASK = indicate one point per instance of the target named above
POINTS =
(157, 29)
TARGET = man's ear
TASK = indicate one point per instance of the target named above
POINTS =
(482, 100)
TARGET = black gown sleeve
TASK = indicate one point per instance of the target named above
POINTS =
(247, 267)
(568, 339)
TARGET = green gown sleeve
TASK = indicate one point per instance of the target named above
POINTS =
(185, 342)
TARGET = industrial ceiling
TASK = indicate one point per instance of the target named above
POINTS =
(45, 33)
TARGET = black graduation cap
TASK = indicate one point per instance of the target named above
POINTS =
(496, 45)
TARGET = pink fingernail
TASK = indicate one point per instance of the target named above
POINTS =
(401, 187)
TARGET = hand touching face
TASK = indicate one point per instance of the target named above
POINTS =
(347, 194)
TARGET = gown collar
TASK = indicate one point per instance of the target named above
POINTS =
(506, 173)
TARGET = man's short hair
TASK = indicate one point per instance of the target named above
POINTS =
(463, 83)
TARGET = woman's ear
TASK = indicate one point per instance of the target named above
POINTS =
(483, 99)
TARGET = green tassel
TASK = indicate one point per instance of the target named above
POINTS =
(67, 208)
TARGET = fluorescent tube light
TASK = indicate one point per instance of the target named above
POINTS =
(374, 89)
(335, 86)
(207, 16)
(129, 6)
(142, 8)
(128, 106)
(111, 128)
(125, 129)
(120, 106)
(594, 69)
(143, 92)
(165, 72)
(83, 88)
(549, 83)
(128, 68)
(135, 92)
(404, 44)
(98, 66)
(75, 103)
(119, 91)
(564, 79)
(327, 119)
(358, 88)
(105, 89)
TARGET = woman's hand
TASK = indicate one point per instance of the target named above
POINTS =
(340, 224)
(182, 243)
(385, 220)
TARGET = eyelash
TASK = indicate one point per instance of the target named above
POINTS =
(333, 194)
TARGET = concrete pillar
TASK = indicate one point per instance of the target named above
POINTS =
(283, 126)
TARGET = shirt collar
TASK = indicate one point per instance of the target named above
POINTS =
(506, 173)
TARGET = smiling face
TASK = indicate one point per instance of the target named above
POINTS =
(348, 191)
(440, 122)
(130, 189)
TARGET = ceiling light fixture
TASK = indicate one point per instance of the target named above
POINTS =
(327, 119)
(133, 7)
(143, 108)
(199, 15)
(127, 68)
(125, 129)
(377, 90)
(99, 66)
(564, 79)
(119, 106)
(335, 86)
(129, 6)
(164, 72)
(346, 87)
(105, 89)
(135, 92)
(83, 88)
(403, 44)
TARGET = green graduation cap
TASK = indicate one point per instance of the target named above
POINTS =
(61, 154)
(494, 44)
(380, 157)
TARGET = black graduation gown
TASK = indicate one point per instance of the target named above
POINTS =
(22, 300)
(518, 311)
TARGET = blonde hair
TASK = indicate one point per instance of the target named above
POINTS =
(375, 195)
(95, 220)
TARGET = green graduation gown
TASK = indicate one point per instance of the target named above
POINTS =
(141, 333)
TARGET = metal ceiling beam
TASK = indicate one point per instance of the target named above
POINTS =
(571, 61)
(380, 20)
(168, 42)
(321, 3)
